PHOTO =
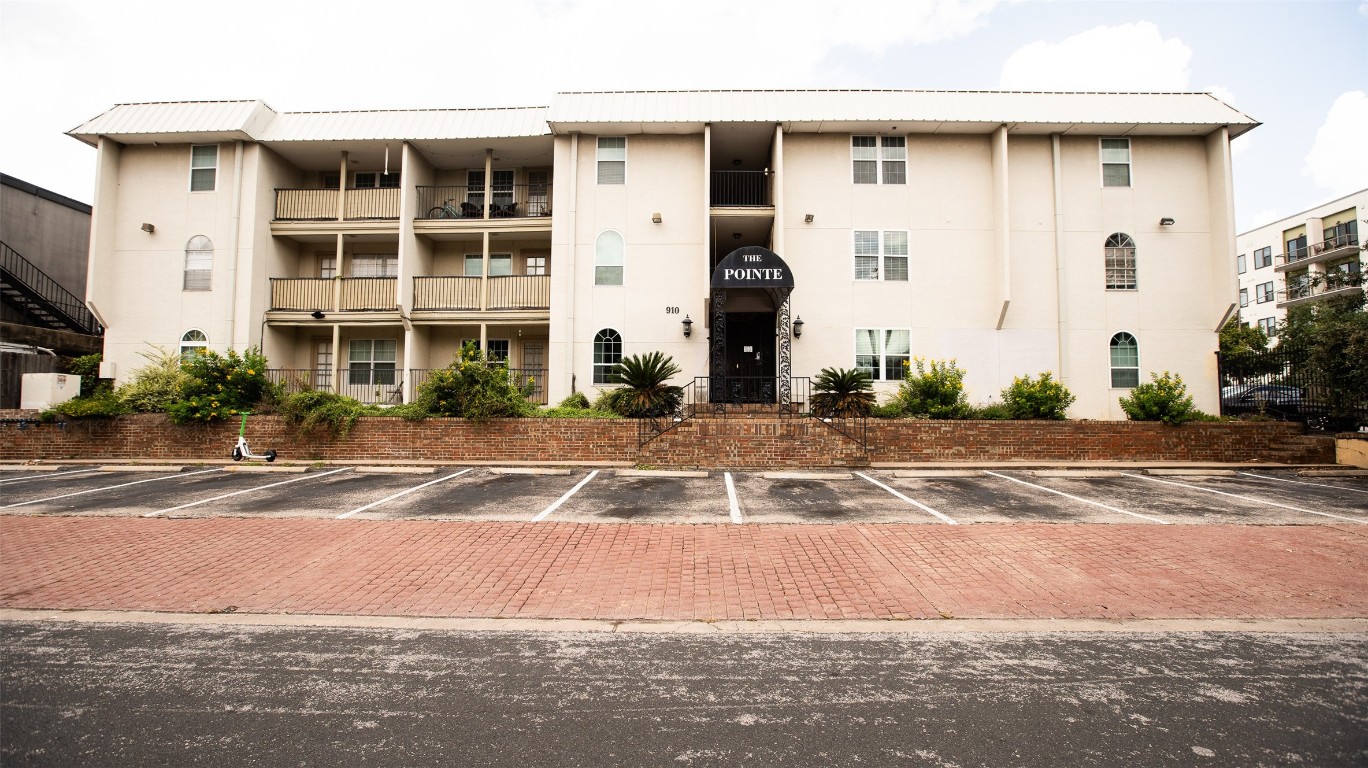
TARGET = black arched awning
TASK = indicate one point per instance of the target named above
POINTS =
(752, 266)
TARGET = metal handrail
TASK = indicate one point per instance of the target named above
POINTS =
(66, 306)
(741, 189)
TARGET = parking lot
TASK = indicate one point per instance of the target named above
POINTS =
(933, 497)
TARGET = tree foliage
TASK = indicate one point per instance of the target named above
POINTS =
(475, 388)
(1042, 398)
(936, 393)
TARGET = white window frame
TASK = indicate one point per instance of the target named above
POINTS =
(606, 272)
(372, 363)
(1244, 297)
(883, 359)
(197, 170)
(609, 157)
(536, 266)
(371, 261)
(1113, 368)
(505, 344)
(1240, 264)
(478, 258)
(199, 264)
(888, 154)
(1103, 161)
(605, 360)
(1119, 262)
(885, 252)
(191, 348)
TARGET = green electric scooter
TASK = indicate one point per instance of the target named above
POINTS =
(242, 450)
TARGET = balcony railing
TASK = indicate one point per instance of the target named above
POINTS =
(1296, 254)
(510, 201)
(1320, 285)
(1332, 244)
(741, 189)
(322, 204)
(518, 376)
(369, 385)
(520, 292)
(508, 292)
(451, 293)
(306, 294)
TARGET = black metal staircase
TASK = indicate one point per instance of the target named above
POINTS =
(29, 289)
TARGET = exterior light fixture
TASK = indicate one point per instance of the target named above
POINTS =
(148, 228)
(736, 235)
(688, 326)
(655, 218)
(317, 315)
(798, 328)
(1166, 222)
(808, 218)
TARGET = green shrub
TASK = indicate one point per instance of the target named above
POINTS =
(315, 409)
(575, 400)
(1042, 398)
(646, 391)
(88, 368)
(221, 386)
(842, 393)
(991, 412)
(473, 388)
(155, 386)
(608, 400)
(937, 393)
(1164, 399)
(564, 412)
(889, 410)
(101, 404)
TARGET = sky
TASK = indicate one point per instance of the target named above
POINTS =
(1298, 67)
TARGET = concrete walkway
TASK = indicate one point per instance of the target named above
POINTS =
(776, 572)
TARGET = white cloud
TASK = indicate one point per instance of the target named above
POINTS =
(1128, 57)
(1337, 161)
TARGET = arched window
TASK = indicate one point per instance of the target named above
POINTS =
(608, 259)
(1120, 258)
(199, 263)
(193, 344)
(607, 354)
(1125, 361)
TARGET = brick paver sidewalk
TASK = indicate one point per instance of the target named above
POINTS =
(682, 572)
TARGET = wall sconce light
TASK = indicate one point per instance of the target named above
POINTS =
(148, 228)
(736, 235)
(317, 315)
(655, 218)
(808, 218)
(798, 328)
(688, 326)
(1166, 222)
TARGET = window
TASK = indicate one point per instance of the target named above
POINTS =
(1240, 264)
(498, 349)
(375, 265)
(608, 259)
(502, 187)
(1116, 170)
(371, 361)
(1298, 284)
(203, 167)
(327, 266)
(1125, 361)
(871, 154)
(1269, 325)
(500, 264)
(870, 245)
(1263, 292)
(199, 264)
(1120, 262)
(883, 353)
(536, 265)
(373, 179)
(1263, 257)
(612, 160)
(1340, 235)
(607, 354)
(474, 265)
(1244, 297)
(193, 344)
(1343, 274)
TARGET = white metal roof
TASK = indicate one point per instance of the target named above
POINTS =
(166, 120)
(836, 110)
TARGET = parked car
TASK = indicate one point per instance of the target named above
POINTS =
(1279, 400)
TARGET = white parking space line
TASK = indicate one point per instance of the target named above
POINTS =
(1303, 482)
(111, 487)
(1247, 498)
(542, 515)
(1079, 498)
(239, 493)
(47, 475)
(913, 502)
(405, 492)
(732, 504)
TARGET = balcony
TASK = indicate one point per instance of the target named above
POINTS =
(741, 189)
(466, 294)
(1331, 248)
(1322, 287)
(520, 377)
(510, 201)
(330, 204)
(326, 294)
(369, 385)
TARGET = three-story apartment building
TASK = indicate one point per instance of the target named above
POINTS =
(754, 236)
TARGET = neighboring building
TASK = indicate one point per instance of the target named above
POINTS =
(1304, 258)
(1084, 234)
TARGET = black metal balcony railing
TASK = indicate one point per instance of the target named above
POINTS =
(509, 201)
(42, 296)
(384, 386)
(741, 189)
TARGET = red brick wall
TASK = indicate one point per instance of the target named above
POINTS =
(722, 443)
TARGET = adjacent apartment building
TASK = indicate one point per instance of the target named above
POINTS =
(754, 236)
(1304, 258)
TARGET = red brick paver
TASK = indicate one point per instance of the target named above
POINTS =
(682, 572)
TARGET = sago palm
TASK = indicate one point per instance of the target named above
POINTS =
(842, 392)
(647, 392)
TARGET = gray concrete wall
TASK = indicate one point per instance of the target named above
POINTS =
(48, 229)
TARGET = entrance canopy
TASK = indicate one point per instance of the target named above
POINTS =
(752, 267)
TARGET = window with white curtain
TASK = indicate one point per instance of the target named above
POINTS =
(883, 353)
(1116, 163)
(880, 255)
(612, 160)
(199, 264)
(608, 258)
(1125, 361)
(375, 265)
(878, 159)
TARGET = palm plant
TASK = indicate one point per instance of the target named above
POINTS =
(842, 392)
(647, 393)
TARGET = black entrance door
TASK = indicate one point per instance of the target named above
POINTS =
(750, 357)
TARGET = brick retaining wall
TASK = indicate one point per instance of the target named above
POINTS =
(716, 443)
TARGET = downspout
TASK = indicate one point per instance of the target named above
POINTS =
(1061, 306)
(236, 220)
(572, 235)
(1001, 225)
